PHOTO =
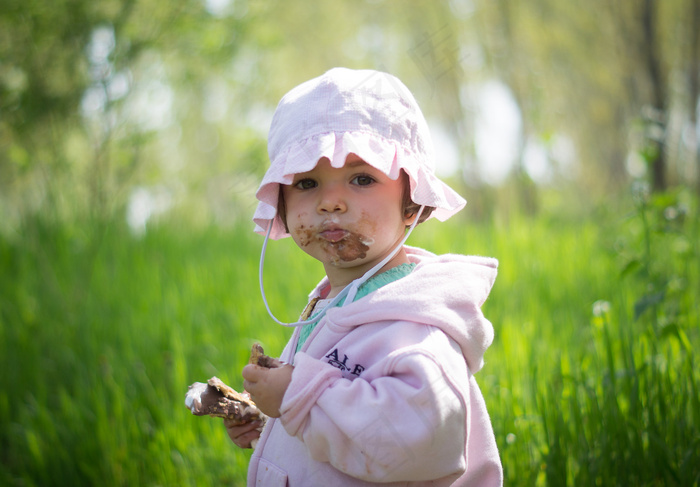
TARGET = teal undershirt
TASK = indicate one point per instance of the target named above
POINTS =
(372, 284)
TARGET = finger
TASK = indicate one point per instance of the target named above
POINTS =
(234, 426)
(243, 435)
(246, 440)
(253, 373)
(251, 388)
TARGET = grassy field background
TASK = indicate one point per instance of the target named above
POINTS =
(591, 379)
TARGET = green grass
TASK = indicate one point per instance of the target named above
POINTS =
(100, 334)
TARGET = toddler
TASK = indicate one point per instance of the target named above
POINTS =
(379, 384)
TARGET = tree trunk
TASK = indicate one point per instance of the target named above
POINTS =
(694, 83)
(650, 52)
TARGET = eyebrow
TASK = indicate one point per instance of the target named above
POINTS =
(356, 163)
(351, 164)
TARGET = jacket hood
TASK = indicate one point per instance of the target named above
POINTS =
(445, 291)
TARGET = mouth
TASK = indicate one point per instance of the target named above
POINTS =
(342, 245)
(333, 235)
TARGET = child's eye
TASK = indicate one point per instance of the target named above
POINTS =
(363, 180)
(305, 184)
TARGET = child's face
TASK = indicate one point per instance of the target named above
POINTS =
(347, 218)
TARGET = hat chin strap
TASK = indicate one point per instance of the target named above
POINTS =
(349, 292)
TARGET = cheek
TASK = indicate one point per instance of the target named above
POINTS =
(301, 232)
(390, 221)
(369, 226)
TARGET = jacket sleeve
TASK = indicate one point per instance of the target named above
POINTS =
(406, 423)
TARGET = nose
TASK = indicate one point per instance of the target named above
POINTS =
(331, 200)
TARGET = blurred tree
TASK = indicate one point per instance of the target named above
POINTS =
(517, 75)
(604, 74)
(179, 94)
(97, 98)
(42, 77)
(692, 68)
(553, 56)
(84, 85)
(640, 42)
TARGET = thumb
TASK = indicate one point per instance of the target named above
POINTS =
(253, 373)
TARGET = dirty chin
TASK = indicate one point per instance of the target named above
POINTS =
(347, 250)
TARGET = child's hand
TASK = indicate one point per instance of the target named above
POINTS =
(243, 434)
(267, 386)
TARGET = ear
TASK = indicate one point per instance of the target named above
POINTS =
(409, 217)
(282, 208)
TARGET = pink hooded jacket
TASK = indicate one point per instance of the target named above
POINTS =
(383, 389)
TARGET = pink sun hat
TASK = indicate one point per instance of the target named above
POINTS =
(365, 112)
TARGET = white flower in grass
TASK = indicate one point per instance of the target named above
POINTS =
(601, 308)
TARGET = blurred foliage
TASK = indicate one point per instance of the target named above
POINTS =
(101, 100)
(592, 378)
(138, 108)
(600, 72)
(88, 96)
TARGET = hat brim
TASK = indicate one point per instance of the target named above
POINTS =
(385, 155)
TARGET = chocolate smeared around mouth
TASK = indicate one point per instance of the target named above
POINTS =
(350, 248)
(346, 245)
